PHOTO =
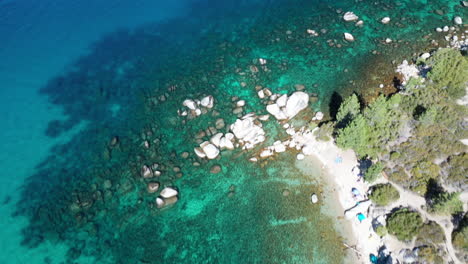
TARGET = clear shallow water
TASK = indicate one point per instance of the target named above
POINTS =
(76, 75)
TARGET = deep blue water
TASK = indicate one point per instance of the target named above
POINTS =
(74, 75)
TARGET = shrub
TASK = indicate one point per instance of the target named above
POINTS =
(460, 235)
(383, 194)
(373, 172)
(430, 233)
(381, 230)
(446, 204)
(324, 132)
(429, 254)
(404, 224)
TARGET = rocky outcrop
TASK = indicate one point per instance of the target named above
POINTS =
(350, 16)
(248, 132)
(287, 107)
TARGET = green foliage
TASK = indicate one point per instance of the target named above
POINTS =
(368, 133)
(416, 127)
(381, 230)
(429, 254)
(460, 236)
(383, 194)
(446, 204)
(449, 69)
(457, 168)
(430, 233)
(373, 172)
(348, 110)
(404, 224)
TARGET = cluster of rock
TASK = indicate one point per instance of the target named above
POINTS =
(407, 71)
(351, 17)
(211, 149)
(287, 107)
(196, 107)
(167, 196)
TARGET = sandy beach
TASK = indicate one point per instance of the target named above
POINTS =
(337, 166)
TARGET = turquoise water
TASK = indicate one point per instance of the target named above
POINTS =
(74, 76)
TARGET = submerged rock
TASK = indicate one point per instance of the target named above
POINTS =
(207, 101)
(215, 169)
(146, 172)
(153, 187)
(458, 20)
(160, 202)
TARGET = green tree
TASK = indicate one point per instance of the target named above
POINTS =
(348, 110)
(373, 172)
(460, 235)
(446, 204)
(404, 224)
(449, 69)
(383, 194)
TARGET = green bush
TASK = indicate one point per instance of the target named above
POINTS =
(430, 233)
(381, 230)
(404, 224)
(460, 235)
(383, 194)
(446, 204)
(429, 254)
(373, 172)
(324, 132)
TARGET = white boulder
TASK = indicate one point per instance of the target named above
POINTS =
(350, 16)
(458, 20)
(275, 110)
(314, 198)
(190, 104)
(210, 150)
(207, 101)
(168, 192)
(385, 20)
(348, 37)
(297, 102)
(281, 102)
(407, 71)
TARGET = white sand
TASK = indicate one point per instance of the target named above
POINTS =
(343, 179)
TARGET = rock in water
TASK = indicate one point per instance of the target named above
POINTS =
(350, 16)
(458, 20)
(210, 150)
(348, 37)
(168, 192)
(385, 20)
(153, 187)
(160, 202)
(314, 198)
(215, 169)
(297, 102)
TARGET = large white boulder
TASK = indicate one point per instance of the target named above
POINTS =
(190, 104)
(276, 111)
(297, 102)
(458, 20)
(207, 101)
(168, 192)
(246, 131)
(210, 150)
(281, 102)
(348, 37)
(350, 16)
(385, 20)
(216, 139)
